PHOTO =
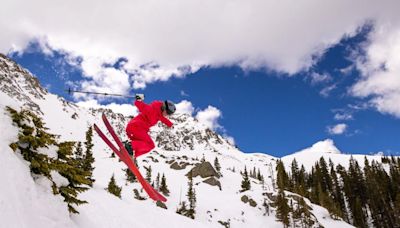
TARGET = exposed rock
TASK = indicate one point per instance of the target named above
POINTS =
(245, 199)
(252, 203)
(213, 182)
(177, 166)
(204, 169)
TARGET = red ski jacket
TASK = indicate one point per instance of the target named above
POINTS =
(149, 115)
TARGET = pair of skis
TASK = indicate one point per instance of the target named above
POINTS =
(124, 156)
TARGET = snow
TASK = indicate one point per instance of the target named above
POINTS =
(23, 203)
(326, 149)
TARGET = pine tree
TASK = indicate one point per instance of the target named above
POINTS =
(163, 187)
(158, 181)
(294, 183)
(282, 176)
(70, 168)
(259, 176)
(282, 208)
(303, 212)
(113, 188)
(88, 157)
(33, 136)
(191, 194)
(182, 210)
(148, 174)
(130, 177)
(266, 206)
(245, 182)
(217, 165)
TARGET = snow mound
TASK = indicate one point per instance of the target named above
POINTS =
(321, 147)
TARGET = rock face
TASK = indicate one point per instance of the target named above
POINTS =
(213, 182)
(204, 169)
(179, 166)
(246, 199)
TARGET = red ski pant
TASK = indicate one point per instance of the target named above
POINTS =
(141, 141)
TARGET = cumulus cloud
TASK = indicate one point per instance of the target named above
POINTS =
(125, 109)
(317, 78)
(380, 69)
(209, 117)
(337, 129)
(185, 107)
(163, 39)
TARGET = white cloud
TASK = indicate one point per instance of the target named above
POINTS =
(163, 39)
(230, 139)
(125, 109)
(209, 117)
(343, 115)
(337, 129)
(185, 107)
(380, 69)
(325, 92)
(317, 78)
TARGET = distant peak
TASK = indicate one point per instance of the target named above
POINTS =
(325, 146)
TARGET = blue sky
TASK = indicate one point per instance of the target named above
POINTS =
(276, 77)
(264, 111)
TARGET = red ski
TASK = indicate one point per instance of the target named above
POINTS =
(124, 156)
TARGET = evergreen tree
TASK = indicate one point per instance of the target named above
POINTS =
(163, 187)
(148, 174)
(32, 137)
(266, 206)
(217, 165)
(182, 210)
(130, 177)
(254, 174)
(282, 176)
(191, 194)
(301, 185)
(70, 168)
(303, 212)
(246, 181)
(259, 176)
(158, 181)
(113, 188)
(282, 208)
(294, 182)
(88, 157)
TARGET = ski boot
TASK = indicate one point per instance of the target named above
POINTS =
(128, 147)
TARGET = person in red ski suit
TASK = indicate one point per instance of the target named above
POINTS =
(138, 128)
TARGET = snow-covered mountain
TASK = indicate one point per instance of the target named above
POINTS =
(28, 201)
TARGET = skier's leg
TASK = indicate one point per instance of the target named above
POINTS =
(141, 141)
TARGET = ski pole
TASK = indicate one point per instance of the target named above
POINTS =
(96, 93)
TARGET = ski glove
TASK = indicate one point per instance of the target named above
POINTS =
(139, 96)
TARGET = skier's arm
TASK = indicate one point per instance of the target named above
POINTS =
(141, 105)
(166, 121)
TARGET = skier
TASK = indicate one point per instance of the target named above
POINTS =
(137, 129)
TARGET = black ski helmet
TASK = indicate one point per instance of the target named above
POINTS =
(169, 106)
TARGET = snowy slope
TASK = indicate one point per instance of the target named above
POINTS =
(25, 202)
(327, 150)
